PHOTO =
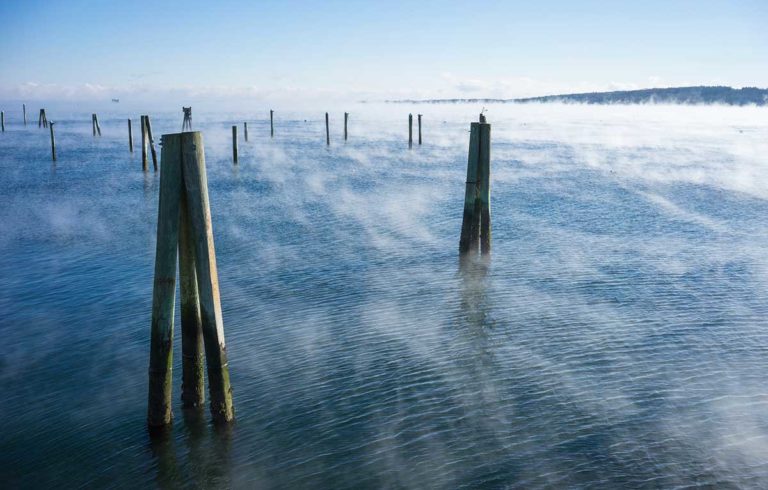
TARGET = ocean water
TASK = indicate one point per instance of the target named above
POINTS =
(616, 337)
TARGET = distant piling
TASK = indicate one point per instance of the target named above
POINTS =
(24, 110)
(53, 142)
(151, 142)
(476, 223)
(130, 136)
(271, 124)
(42, 120)
(95, 124)
(144, 143)
(234, 143)
(186, 124)
(346, 117)
(184, 234)
(327, 131)
(245, 131)
(2, 121)
(410, 130)
(419, 129)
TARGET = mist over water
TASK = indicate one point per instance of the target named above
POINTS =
(616, 336)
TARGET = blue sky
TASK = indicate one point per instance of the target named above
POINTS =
(86, 49)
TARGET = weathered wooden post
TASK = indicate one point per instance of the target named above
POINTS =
(419, 129)
(476, 223)
(184, 233)
(346, 116)
(24, 109)
(2, 121)
(234, 143)
(144, 143)
(187, 123)
(95, 124)
(42, 120)
(130, 136)
(53, 143)
(271, 124)
(245, 130)
(410, 130)
(151, 142)
(327, 131)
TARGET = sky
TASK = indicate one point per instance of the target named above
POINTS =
(373, 50)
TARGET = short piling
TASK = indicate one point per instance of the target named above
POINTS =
(245, 131)
(419, 129)
(410, 130)
(271, 124)
(130, 136)
(327, 131)
(151, 143)
(53, 142)
(42, 120)
(346, 117)
(234, 143)
(144, 143)
(186, 124)
(192, 379)
(95, 124)
(476, 223)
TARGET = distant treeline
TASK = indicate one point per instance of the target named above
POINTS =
(675, 95)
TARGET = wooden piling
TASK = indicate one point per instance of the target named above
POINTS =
(245, 131)
(95, 124)
(186, 125)
(159, 412)
(144, 143)
(346, 117)
(130, 136)
(327, 131)
(410, 130)
(192, 379)
(271, 124)
(2, 121)
(151, 143)
(42, 120)
(234, 143)
(196, 185)
(419, 129)
(53, 143)
(476, 223)
(184, 231)
(24, 110)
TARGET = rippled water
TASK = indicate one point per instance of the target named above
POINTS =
(617, 336)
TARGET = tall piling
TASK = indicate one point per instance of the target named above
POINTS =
(24, 110)
(410, 130)
(245, 131)
(2, 121)
(271, 124)
(53, 143)
(130, 136)
(346, 117)
(327, 131)
(234, 143)
(151, 142)
(419, 129)
(184, 232)
(144, 142)
(476, 223)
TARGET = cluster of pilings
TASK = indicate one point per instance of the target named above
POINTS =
(185, 239)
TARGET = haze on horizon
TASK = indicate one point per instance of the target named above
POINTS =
(236, 51)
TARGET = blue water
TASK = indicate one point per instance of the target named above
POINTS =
(616, 337)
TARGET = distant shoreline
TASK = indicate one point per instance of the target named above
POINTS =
(699, 95)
